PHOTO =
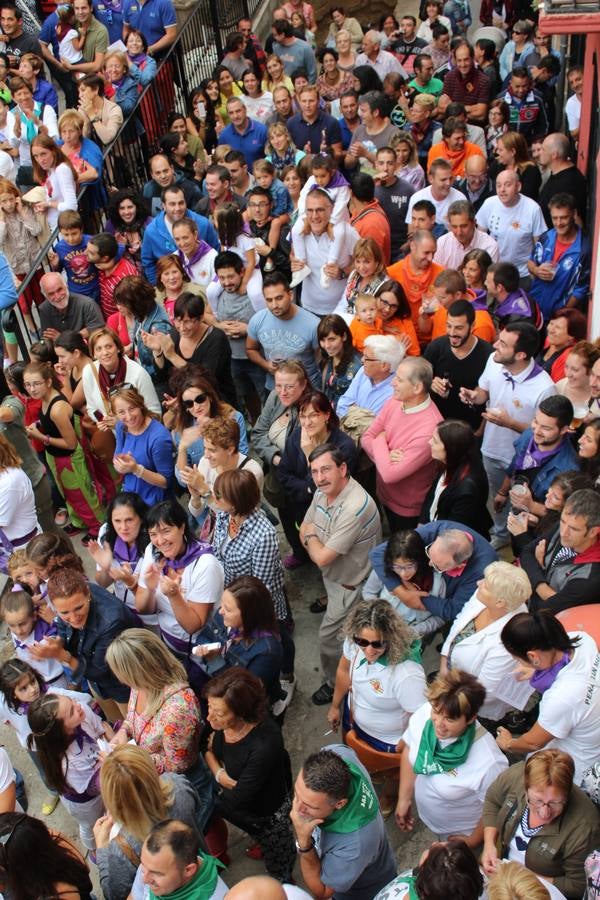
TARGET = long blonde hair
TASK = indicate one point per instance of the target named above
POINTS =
(132, 791)
(139, 659)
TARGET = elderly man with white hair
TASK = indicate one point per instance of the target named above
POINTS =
(372, 384)
(381, 60)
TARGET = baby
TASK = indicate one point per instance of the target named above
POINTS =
(27, 629)
(364, 323)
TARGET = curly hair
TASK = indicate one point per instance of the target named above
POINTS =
(382, 618)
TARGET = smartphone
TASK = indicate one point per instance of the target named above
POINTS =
(201, 110)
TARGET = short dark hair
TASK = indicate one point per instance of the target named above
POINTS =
(550, 63)
(462, 308)
(282, 26)
(227, 259)
(15, 9)
(221, 171)
(327, 773)
(376, 101)
(420, 59)
(243, 692)
(559, 408)
(506, 274)
(488, 48)
(258, 191)
(562, 201)
(336, 454)
(450, 870)
(236, 156)
(106, 244)
(528, 340)
(270, 279)
(520, 72)
(93, 81)
(363, 187)
(172, 189)
(425, 206)
(438, 31)
(536, 631)
(183, 841)
(451, 125)
(456, 109)
(189, 304)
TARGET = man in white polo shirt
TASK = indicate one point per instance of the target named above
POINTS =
(513, 385)
(464, 235)
(439, 192)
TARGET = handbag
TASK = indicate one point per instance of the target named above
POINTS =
(102, 443)
(373, 760)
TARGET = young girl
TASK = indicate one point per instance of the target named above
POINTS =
(65, 735)
(24, 574)
(70, 42)
(27, 628)
(230, 228)
(19, 228)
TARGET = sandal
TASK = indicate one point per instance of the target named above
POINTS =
(50, 805)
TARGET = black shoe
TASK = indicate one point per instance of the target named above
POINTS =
(72, 529)
(317, 606)
(323, 696)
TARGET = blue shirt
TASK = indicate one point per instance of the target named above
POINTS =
(151, 17)
(294, 338)
(152, 449)
(8, 292)
(251, 143)
(362, 392)
(282, 202)
(111, 16)
(82, 275)
(303, 131)
(48, 33)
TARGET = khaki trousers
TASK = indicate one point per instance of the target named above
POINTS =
(340, 600)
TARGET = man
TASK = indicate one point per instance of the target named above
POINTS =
(573, 104)
(475, 134)
(17, 41)
(458, 360)
(366, 214)
(424, 81)
(393, 194)
(340, 834)
(235, 59)
(371, 387)
(349, 120)
(564, 568)
(515, 221)
(564, 178)
(560, 262)
(462, 237)
(526, 105)
(293, 53)
(372, 55)
(282, 331)
(467, 84)
(157, 21)
(279, 15)
(259, 208)
(477, 186)
(341, 526)
(398, 443)
(253, 49)
(311, 127)
(158, 236)
(341, 20)
(164, 176)
(62, 311)
(95, 44)
(513, 385)
(407, 46)
(506, 301)
(104, 253)
(217, 184)
(284, 107)
(448, 287)
(242, 181)
(375, 132)
(417, 271)
(244, 134)
(458, 557)
(422, 218)
(542, 452)
(440, 191)
(173, 865)
(453, 147)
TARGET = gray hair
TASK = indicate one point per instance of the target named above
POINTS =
(457, 543)
(374, 36)
(584, 503)
(386, 349)
(382, 618)
(462, 208)
(419, 371)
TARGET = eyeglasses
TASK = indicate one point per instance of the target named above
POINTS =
(388, 305)
(197, 400)
(408, 567)
(126, 386)
(32, 384)
(361, 642)
(433, 565)
(5, 839)
(553, 805)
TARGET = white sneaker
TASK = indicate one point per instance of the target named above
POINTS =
(288, 687)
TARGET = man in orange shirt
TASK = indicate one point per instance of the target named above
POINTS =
(367, 215)
(417, 273)
(454, 147)
(450, 286)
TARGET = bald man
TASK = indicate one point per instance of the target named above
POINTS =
(565, 177)
(66, 311)
(476, 184)
(261, 887)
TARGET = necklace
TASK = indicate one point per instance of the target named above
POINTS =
(232, 737)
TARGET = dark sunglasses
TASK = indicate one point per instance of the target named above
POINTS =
(198, 399)
(126, 386)
(361, 642)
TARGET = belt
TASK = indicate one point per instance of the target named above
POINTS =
(18, 542)
(350, 587)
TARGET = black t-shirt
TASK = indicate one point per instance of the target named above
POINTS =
(394, 200)
(213, 352)
(569, 181)
(24, 43)
(462, 373)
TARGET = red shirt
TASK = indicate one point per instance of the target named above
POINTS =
(372, 222)
(473, 88)
(109, 281)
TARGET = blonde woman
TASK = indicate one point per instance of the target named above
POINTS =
(346, 55)
(275, 76)
(135, 798)
(163, 715)
(408, 161)
(280, 149)
(512, 881)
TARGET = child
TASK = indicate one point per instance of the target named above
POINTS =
(23, 573)
(233, 236)
(20, 685)
(364, 324)
(19, 228)
(27, 628)
(69, 254)
(65, 735)
(265, 176)
(70, 42)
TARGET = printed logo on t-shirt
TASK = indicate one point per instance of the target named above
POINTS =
(376, 685)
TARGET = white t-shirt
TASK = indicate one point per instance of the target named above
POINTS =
(210, 475)
(315, 298)
(441, 206)
(383, 696)
(17, 504)
(514, 227)
(7, 776)
(50, 669)
(519, 401)
(259, 108)
(570, 709)
(573, 112)
(80, 763)
(452, 803)
(202, 583)
(123, 593)
(19, 720)
(203, 271)
(141, 891)
(66, 50)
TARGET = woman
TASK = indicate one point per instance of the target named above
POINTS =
(421, 125)
(497, 127)
(136, 797)
(31, 70)
(474, 269)
(84, 154)
(64, 454)
(512, 154)
(144, 449)
(408, 162)
(56, 174)
(175, 147)
(136, 304)
(104, 117)
(565, 328)
(339, 360)
(512, 881)
(89, 619)
(442, 737)
(294, 182)
(142, 66)
(379, 647)
(251, 767)
(275, 76)
(258, 102)
(204, 119)
(460, 491)
(393, 312)
(346, 60)
(560, 666)
(121, 87)
(72, 352)
(524, 527)
(534, 813)
(60, 870)
(576, 383)
(228, 88)
(447, 869)
(589, 450)
(281, 150)
(177, 124)
(163, 714)
(128, 219)
(29, 117)
(180, 580)
(333, 81)
(172, 281)
(110, 369)
(473, 644)
(433, 11)
(317, 424)
(18, 516)
(367, 274)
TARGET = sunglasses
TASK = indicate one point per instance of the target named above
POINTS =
(197, 400)
(126, 386)
(361, 642)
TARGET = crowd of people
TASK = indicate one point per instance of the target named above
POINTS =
(341, 326)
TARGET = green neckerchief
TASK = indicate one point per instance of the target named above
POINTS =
(413, 654)
(433, 759)
(361, 808)
(201, 887)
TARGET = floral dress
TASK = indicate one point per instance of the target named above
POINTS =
(172, 734)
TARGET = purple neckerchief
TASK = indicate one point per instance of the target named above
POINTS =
(542, 679)
(138, 59)
(191, 553)
(41, 630)
(201, 250)
(480, 300)
(23, 707)
(516, 304)
(118, 84)
(81, 737)
(123, 553)
(535, 371)
(337, 181)
(531, 457)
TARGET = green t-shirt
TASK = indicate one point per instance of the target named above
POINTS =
(434, 87)
(96, 41)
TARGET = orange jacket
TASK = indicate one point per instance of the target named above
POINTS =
(360, 332)
(457, 158)
(399, 328)
(483, 327)
(372, 222)
(415, 284)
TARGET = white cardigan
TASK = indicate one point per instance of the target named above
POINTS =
(483, 655)
(134, 374)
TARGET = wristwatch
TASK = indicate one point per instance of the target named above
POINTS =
(305, 849)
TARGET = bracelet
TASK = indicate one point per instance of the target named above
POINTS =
(218, 773)
(502, 493)
(305, 849)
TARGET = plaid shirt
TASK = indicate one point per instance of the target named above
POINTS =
(253, 551)
(255, 53)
